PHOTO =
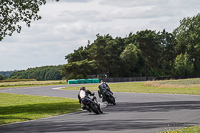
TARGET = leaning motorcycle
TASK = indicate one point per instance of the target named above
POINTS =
(108, 97)
(93, 105)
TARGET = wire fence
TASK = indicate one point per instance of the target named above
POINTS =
(127, 79)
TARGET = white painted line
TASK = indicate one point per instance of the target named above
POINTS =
(57, 88)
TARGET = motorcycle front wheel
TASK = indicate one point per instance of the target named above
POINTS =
(93, 108)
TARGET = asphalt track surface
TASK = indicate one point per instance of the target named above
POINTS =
(134, 113)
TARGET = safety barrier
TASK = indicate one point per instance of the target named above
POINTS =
(82, 81)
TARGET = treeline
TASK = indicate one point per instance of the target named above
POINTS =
(145, 53)
(6, 73)
(39, 73)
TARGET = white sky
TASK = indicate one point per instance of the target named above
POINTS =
(68, 24)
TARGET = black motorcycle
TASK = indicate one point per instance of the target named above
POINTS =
(93, 105)
(107, 96)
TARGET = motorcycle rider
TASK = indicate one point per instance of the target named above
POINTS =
(83, 93)
(103, 88)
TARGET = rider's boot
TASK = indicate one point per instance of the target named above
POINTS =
(83, 108)
(88, 110)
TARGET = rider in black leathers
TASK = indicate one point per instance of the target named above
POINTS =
(103, 88)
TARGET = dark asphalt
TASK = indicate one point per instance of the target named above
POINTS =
(134, 113)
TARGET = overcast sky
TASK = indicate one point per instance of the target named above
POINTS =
(68, 24)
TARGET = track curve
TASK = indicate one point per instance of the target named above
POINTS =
(134, 113)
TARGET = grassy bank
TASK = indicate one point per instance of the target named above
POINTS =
(31, 83)
(17, 107)
(186, 86)
(183, 83)
(16, 80)
(195, 129)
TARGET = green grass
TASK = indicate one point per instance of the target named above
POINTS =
(115, 87)
(186, 86)
(195, 129)
(17, 107)
(182, 83)
(148, 87)
(31, 83)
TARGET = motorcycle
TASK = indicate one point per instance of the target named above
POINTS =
(93, 105)
(107, 96)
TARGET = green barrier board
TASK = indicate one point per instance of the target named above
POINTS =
(95, 81)
(73, 82)
(82, 81)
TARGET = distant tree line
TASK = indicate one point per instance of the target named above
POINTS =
(145, 53)
(39, 73)
(6, 73)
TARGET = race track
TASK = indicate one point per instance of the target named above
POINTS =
(134, 113)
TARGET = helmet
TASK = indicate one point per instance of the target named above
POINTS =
(82, 88)
(104, 85)
(102, 81)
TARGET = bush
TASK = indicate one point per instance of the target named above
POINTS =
(1, 77)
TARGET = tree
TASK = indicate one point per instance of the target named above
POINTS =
(167, 54)
(115, 48)
(183, 65)
(101, 53)
(149, 46)
(79, 69)
(105, 51)
(15, 11)
(188, 39)
(78, 55)
(1, 77)
(40, 73)
(131, 57)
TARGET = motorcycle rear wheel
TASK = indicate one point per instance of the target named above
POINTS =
(112, 100)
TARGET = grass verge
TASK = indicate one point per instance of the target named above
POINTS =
(195, 129)
(31, 83)
(18, 107)
(151, 87)
(15, 107)
(183, 83)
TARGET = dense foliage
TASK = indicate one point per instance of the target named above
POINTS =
(15, 11)
(145, 53)
(6, 73)
(39, 73)
(1, 77)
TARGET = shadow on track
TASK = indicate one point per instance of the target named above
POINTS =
(154, 106)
